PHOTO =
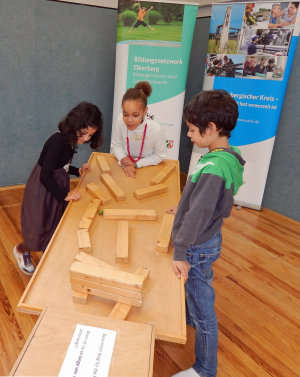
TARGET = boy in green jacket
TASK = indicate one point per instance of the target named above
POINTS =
(206, 199)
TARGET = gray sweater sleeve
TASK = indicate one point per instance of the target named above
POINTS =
(196, 213)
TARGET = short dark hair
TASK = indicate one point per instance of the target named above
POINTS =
(271, 60)
(215, 106)
(83, 115)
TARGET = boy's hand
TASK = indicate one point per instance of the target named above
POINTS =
(181, 267)
(172, 210)
(72, 195)
(83, 168)
(129, 171)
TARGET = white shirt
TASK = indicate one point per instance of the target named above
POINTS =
(155, 148)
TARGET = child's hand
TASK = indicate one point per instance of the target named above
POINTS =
(129, 171)
(127, 162)
(181, 267)
(172, 210)
(83, 168)
(72, 195)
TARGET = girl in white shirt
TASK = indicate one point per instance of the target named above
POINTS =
(137, 140)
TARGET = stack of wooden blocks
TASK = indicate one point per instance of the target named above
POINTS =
(91, 276)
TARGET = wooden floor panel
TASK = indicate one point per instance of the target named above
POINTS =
(257, 284)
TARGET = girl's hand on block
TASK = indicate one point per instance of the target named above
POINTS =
(181, 267)
(72, 195)
(127, 162)
(129, 171)
(172, 210)
(83, 168)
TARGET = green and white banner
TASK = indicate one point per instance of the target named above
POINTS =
(155, 46)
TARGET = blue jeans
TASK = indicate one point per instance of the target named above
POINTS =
(200, 304)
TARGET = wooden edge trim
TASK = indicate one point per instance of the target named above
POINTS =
(152, 348)
(27, 343)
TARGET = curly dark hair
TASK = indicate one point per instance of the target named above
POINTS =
(84, 115)
(215, 106)
(141, 91)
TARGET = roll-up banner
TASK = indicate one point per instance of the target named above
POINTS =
(153, 44)
(250, 52)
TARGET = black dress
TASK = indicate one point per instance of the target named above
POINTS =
(47, 186)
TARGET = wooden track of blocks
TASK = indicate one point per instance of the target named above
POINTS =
(112, 186)
(89, 214)
(162, 175)
(129, 214)
(103, 165)
(122, 242)
(89, 259)
(162, 244)
(146, 192)
(95, 191)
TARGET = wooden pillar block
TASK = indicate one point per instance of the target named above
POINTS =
(92, 209)
(162, 175)
(103, 165)
(164, 236)
(146, 192)
(129, 214)
(85, 223)
(122, 242)
(80, 297)
(84, 242)
(112, 186)
(95, 191)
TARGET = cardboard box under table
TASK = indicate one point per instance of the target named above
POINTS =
(46, 347)
(163, 300)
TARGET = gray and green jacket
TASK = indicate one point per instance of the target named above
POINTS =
(207, 198)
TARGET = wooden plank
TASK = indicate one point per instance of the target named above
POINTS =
(129, 214)
(163, 175)
(92, 209)
(85, 223)
(89, 259)
(122, 242)
(80, 297)
(146, 192)
(83, 285)
(84, 242)
(103, 164)
(165, 231)
(122, 279)
(96, 192)
(112, 186)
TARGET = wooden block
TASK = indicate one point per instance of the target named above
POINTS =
(92, 209)
(164, 236)
(84, 242)
(112, 186)
(161, 176)
(121, 311)
(85, 223)
(103, 165)
(89, 259)
(121, 279)
(83, 285)
(122, 242)
(80, 297)
(129, 214)
(116, 298)
(146, 192)
(95, 191)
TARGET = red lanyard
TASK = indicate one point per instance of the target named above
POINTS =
(142, 147)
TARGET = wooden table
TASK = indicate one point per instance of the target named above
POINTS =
(45, 349)
(164, 300)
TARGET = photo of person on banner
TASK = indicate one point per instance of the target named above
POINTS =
(224, 65)
(149, 20)
(283, 15)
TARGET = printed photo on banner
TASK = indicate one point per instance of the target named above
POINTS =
(222, 65)
(251, 40)
(149, 22)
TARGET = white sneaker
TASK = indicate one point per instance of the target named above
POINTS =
(24, 260)
(187, 373)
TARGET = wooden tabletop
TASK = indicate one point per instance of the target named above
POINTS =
(164, 301)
